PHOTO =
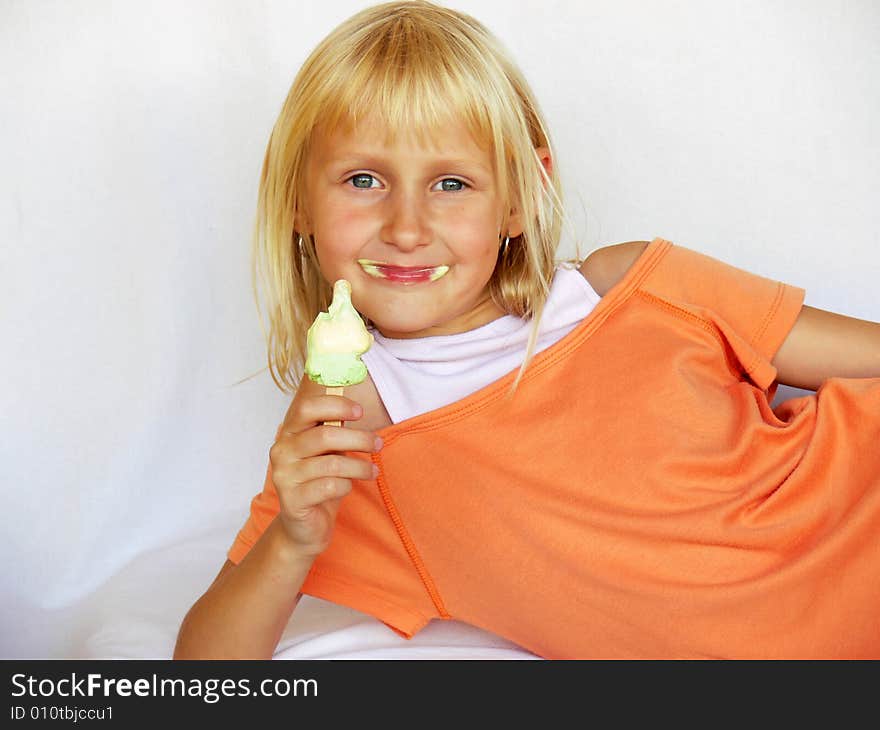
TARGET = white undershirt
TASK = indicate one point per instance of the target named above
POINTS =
(419, 375)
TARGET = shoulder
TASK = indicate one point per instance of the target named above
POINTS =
(607, 265)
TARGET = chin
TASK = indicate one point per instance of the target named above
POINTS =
(403, 330)
(402, 323)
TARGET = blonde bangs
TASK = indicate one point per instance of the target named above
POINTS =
(408, 77)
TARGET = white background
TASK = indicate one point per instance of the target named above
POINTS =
(131, 139)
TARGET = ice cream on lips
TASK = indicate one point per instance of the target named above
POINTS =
(402, 274)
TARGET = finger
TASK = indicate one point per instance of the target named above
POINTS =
(312, 493)
(327, 439)
(311, 410)
(289, 448)
(334, 465)
(299, 471)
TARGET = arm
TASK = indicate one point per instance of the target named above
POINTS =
(244, 612)
(824, 345)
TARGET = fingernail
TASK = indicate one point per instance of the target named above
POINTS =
(377, 444)
(375, 471)
(356, 411)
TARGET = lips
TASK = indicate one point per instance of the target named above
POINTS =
(402, 274)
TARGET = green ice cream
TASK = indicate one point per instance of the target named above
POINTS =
(335, 342)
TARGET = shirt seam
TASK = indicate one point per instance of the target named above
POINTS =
(408, 543)
(765, 324)
(705, 324)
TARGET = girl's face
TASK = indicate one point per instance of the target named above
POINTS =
(415, 229)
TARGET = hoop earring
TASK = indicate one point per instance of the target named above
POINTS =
(504, 245)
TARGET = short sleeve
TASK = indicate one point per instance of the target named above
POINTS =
(264, 507)
(761, 311)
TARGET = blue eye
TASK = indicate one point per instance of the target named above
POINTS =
(362, 181)
(450, 184)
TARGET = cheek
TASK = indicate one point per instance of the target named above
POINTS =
(337, 226)
(477, 229)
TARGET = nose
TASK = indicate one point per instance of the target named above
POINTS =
(406, 221)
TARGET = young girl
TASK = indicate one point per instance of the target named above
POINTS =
(583, 460)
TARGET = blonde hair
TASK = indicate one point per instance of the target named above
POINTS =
(417, 66)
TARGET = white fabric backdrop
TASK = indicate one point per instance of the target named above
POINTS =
(131, 139)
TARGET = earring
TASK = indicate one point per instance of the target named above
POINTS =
(299, 244)
(504, 245)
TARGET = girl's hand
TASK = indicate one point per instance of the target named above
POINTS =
(309, 470)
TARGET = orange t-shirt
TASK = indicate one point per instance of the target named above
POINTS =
(636, 497)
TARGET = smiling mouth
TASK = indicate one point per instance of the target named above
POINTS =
(402, 274)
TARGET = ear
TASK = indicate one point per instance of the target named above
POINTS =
(543, 154)
(514, 222)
